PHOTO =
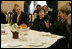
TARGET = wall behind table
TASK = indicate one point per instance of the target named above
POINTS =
(9, 5)
(62, 3)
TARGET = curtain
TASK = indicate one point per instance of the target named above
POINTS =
(54, 6)
(26, 6)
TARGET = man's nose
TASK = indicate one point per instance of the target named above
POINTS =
(18, 10)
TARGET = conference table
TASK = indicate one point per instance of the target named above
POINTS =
(27, 39)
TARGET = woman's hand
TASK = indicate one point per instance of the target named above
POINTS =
(46, 24)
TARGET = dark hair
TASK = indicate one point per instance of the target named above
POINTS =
(35, 11)
(38, 5)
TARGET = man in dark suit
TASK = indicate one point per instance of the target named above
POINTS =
(19, 17)
(60, 28)
(3, 18)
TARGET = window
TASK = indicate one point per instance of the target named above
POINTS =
(42, 3)
(31, 7)
(34, 4)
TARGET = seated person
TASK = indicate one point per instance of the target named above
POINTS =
(45, 7)
(39, 22)
(14, 8)
(60, 27)
(3, 18)
(38, 7)
(48, 13)
(19, 17)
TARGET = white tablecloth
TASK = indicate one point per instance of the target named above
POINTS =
(33, 39)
